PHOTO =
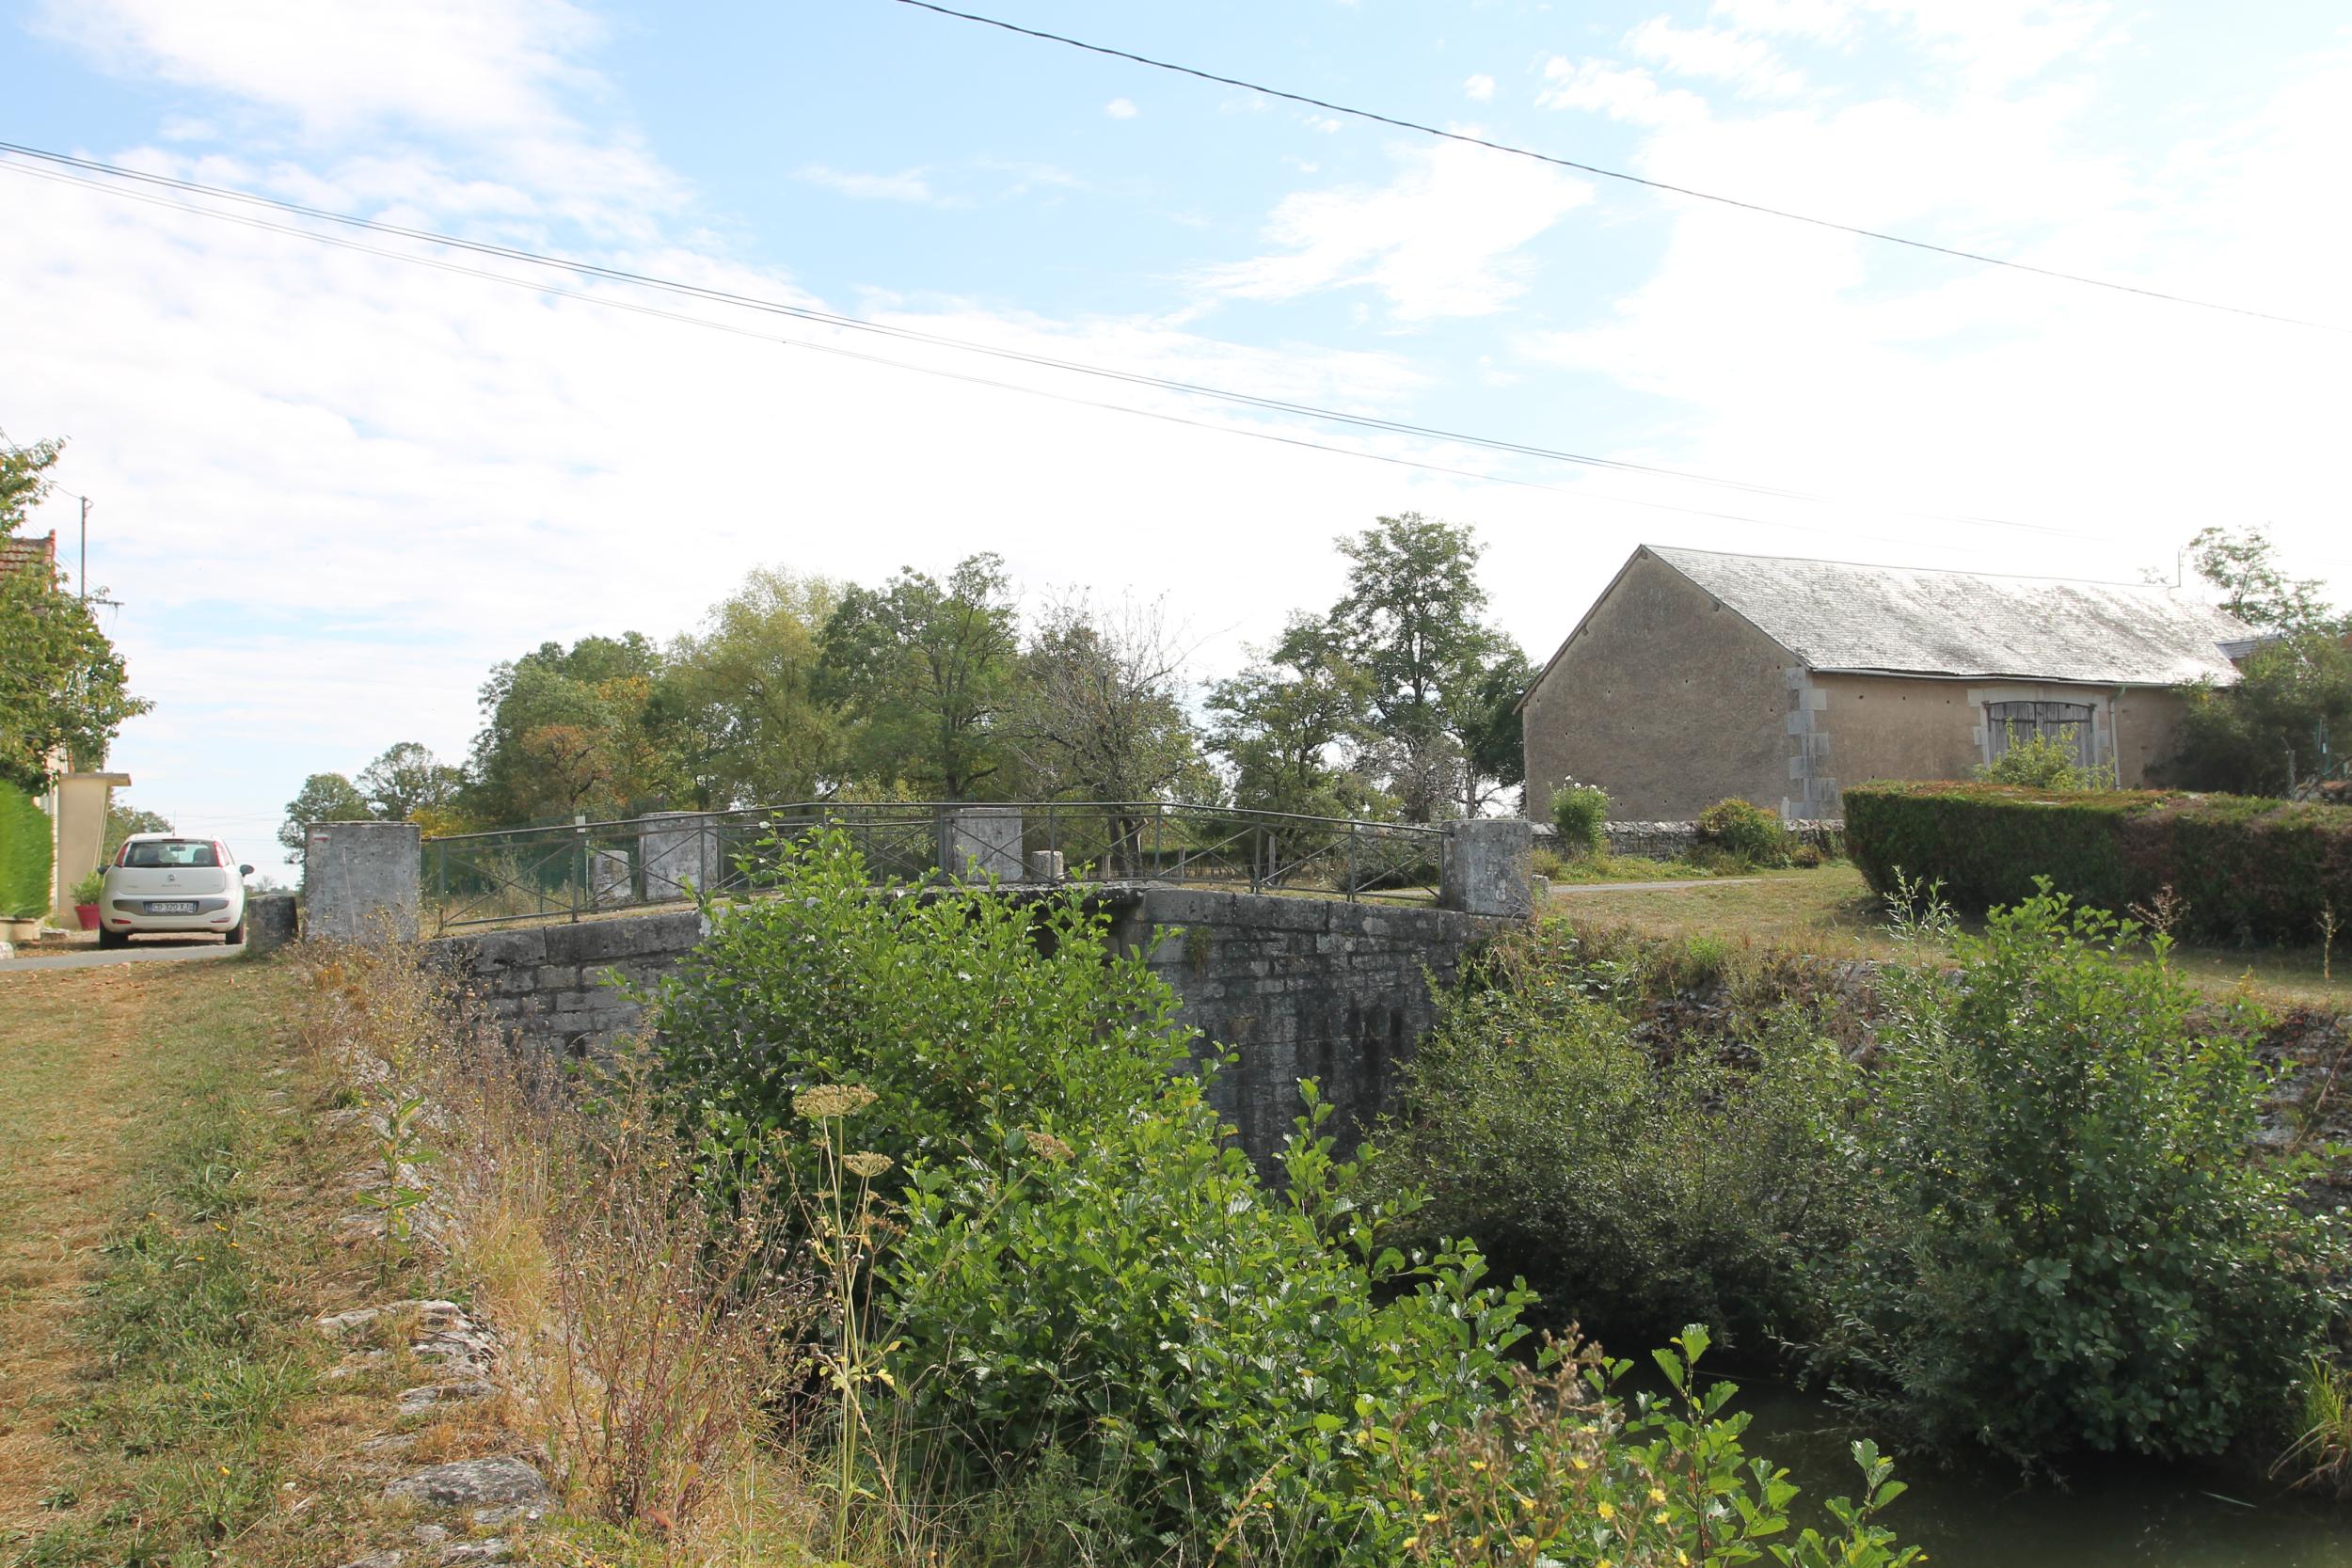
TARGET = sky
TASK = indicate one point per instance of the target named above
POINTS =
(331, 487)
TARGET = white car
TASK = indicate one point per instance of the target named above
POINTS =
(167, 882)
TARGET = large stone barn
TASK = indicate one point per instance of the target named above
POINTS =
(1698, 675)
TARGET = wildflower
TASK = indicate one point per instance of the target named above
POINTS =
(868, 1166)
(1607, 1509)
(1660, 1517)
(1049, 1145)
(831, 1099)
(1582, 1463)
(1658, 1494)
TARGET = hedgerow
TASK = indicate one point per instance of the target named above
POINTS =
(2242, 869)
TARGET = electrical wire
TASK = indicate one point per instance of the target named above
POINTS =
(1740, 204)
(607, 303)
(810, 313)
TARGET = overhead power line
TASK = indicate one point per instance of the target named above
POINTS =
(1597, 169)
(61, 162)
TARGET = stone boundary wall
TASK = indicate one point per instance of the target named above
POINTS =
(1296, 988)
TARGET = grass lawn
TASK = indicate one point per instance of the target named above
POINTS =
(1581, 870)
(1831, 913)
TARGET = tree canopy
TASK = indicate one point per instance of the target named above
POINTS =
(1399, 700)
(64, 690)
(2286, 724)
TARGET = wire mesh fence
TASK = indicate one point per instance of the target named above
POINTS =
(583, 870)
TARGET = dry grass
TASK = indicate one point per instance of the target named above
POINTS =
(648, 1334)
(1831, 914)
(170, 1194)
(71, 1082)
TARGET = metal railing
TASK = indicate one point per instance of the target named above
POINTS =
(584, 869)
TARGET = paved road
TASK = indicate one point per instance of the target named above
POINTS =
(150, 950)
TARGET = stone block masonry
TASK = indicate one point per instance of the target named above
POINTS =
(552, 988)
(1299, 987)
(1295, 988)
(360, 881)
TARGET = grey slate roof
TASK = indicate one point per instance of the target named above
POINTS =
(1838, 617)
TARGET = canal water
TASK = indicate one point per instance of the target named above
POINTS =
(2105, 1516)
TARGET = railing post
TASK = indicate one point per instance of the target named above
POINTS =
(440, 884)
(580, 848)
(1353, 884)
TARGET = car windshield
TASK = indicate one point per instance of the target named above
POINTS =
(156, 854)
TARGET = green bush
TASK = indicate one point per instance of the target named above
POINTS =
(2042, 762)
(25, 856)
(1197, 1346)
(2036, 1220)
(1746, 832)
(1079, 1297)
(964, 1012)
(1580, 813)
(1634, 1189)
(2070, 1241)
(2244, 870)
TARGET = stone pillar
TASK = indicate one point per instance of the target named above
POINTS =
(680, 850)
(360, 882)
(269, 922)
(978, 843)
(1487, 867)
(609, 876)
(1048, 866)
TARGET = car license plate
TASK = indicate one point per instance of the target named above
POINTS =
(165, 905)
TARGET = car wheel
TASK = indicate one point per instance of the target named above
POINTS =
(234, 936)
(113, 939)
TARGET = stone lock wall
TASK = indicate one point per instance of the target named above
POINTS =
(1299, 987)
(1296, 988)
(562, 988)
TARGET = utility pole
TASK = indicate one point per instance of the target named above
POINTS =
(81, 578)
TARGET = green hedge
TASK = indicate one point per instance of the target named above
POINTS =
(2249, 870)
(24, 856)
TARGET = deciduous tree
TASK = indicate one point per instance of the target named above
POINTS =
(1097, 710)
(1289, 726)
(323, 798)
(64, 691)
(923, 669)
(744, 691)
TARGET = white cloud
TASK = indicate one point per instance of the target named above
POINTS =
(1438, 241)
(1834, 364)
(482, 80)
(1481, 88)
(905, 186)
(1821, 21)
(1626, 93)
(332, 489)
(1723, 53)
(1121, 108)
